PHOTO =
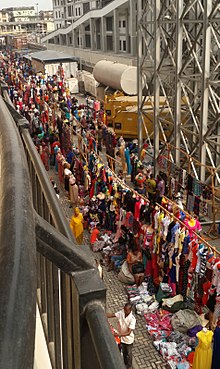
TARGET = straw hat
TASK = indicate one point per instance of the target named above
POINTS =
(191, 222)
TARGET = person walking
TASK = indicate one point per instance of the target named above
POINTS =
(126, 326)
(151, 188)
(76, 224)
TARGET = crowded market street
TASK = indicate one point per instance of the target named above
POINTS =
(149, 246)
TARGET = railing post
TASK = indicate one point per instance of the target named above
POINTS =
(82, 294)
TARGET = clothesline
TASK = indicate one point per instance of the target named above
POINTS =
(192, 175)
(111, 158)
(142, 196)
(209, 168)
(124, 185)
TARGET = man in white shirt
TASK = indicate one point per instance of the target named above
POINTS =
(126, 326)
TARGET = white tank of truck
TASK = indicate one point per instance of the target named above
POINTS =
(117, 76)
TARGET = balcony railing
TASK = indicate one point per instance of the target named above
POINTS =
(40, 260)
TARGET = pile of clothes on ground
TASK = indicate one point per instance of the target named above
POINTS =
(146, 297)
(170, 321)
(174, 335)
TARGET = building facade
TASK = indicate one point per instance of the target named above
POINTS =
(26, 20)
(107, 26)
(21, 14)
(4, 16)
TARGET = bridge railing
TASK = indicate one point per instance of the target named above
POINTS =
(70, 293)
(18, 281)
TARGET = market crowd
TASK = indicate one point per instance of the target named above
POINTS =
(172, 276)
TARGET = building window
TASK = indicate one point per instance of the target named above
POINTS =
(69, 11)
(88, 41)
(119, 24)
(109, 24)
(124, 45)
(120, 45)
(124, 24)
(86, 8)
(79, 11)
(98, 42)
(109, 43)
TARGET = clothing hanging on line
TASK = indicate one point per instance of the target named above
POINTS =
(203, 352)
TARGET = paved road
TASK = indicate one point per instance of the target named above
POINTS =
(145, 355)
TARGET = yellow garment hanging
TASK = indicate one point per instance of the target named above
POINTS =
(180, 241)
(160, 218)
(203, 354)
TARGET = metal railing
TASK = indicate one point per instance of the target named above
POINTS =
(18, 280)
(70, 294)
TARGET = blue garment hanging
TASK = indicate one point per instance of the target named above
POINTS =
(128, 160)
(216, 349)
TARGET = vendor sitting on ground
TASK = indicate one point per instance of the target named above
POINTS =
(119, 254)
(135, 265)
(95, 235)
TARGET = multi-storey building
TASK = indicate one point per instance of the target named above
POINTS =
(58, 14)
(17, 20)
(4, 16)
(21, 14)
(103, 26)
(70, 10)
(46, 15)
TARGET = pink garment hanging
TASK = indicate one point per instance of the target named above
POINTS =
(197, 227)
(96, 105)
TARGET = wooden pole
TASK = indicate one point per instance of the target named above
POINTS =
(169, 170)
(213, 229)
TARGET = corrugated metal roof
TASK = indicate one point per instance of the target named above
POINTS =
(51, 55)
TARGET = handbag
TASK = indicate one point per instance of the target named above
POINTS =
(138, 268)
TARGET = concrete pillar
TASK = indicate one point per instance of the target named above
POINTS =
(73, 38)
(82, 41)
(92, 33)
(116, 31)
(103, 34)
(133, 27)
(127, 31)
